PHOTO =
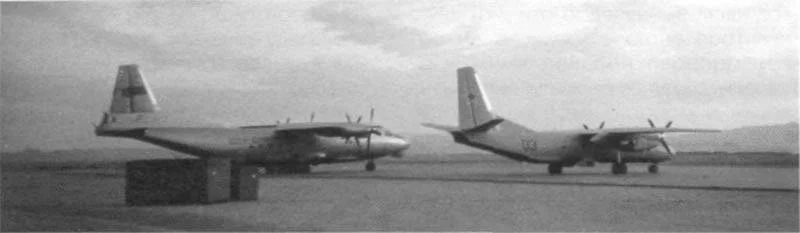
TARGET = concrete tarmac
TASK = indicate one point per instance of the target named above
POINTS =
(426, 196)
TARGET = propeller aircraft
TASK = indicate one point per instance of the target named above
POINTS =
(479, 127)
(287, 147)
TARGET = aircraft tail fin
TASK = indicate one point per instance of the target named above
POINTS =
(131, 92)
(474, 108)
(132, 103)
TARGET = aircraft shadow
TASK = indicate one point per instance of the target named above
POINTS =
(531, 179)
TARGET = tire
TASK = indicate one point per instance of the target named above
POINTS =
(653, 168)
(619, 168)
(554, 169)
(304, 169)
(370, 166)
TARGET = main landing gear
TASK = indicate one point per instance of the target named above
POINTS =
(554, 169)
(619, 168)
(653, 168)
(370, 166)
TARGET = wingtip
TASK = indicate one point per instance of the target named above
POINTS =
(466, 69)
(132, 65)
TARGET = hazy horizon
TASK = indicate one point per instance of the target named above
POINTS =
(549, 65)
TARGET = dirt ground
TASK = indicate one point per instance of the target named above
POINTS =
(425, 197)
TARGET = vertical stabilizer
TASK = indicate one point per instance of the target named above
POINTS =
(473, 106)
(132, 104)
(131, 92)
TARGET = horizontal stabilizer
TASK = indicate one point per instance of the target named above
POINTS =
(480, 128)
(442, 127)
(485, 126)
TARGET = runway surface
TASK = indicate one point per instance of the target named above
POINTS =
(426, 196)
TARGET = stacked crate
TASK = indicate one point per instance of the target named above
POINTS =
(177, 181)
(244, 182)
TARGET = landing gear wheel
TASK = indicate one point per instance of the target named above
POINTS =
(304, 169)
(370, 166)
(653, 168)
(554, 169)
(619, 168)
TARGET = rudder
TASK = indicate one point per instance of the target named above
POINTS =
(474, 108)
(131, 92)
(133, 105)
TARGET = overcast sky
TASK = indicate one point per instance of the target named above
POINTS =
(549, 65)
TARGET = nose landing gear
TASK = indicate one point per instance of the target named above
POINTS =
(370, 166)
(619, 168)
(554, 169)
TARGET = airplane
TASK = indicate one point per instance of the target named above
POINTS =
(279, 148)
(481, 128)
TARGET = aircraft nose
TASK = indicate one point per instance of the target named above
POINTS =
(401, 143)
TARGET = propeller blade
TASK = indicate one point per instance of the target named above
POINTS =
(358, 144)
(371, 114)
(358, 120)
(312, 117)
(651, 123)
(585, 127)
(601, 125)
(369, 142)
(668, 124)
(666, 147)
(348, 117)
(288, 120)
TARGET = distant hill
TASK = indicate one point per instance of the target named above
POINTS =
(766, 138)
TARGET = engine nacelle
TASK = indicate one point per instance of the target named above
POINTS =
(639, 143)
(310, 157)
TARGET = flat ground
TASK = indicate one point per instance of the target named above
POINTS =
(425, 196)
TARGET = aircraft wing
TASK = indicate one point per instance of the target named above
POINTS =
(602, 135)
(651, 130)
(328, 129)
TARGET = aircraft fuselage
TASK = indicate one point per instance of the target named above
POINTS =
(563, 147)
(264, 146)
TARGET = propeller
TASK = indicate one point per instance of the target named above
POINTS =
(587, 157)
(288, 120)
(358, 121)
(311, 118)
(661, 136)
(603, 123)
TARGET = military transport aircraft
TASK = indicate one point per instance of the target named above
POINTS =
(479, 127)
(289, 147)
